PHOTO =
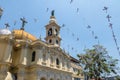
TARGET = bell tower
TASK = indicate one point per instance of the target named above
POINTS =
(53, 31)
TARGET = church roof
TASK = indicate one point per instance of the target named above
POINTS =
(74, 59)
(5, 32)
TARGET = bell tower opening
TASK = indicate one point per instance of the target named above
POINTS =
(53, 31)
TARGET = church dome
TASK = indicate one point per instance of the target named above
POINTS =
(21, 34)
(5, 32)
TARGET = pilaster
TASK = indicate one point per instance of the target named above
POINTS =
(3, 71)
(21, 72)
(23, 56)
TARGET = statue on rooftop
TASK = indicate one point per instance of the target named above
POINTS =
(52, 13)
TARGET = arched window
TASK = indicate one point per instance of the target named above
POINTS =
(33, 56)
(57, 61)
(50, 32)
(56, 41)
(56, 31)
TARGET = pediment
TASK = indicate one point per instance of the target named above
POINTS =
(38, 43)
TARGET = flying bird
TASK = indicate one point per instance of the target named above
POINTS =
(77, 10)
(71, 1)
(110, 25)
(105, 9)
(73, 34)
(35, 20)
(96, 37)
(77, 39)
(72, 48)
(108, 17)
(88, 26)
(47, 9)
(63, 25)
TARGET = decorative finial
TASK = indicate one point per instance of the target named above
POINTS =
(7, 25)
(52, 13)
(23, 23)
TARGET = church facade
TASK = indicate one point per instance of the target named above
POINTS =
(24, 57)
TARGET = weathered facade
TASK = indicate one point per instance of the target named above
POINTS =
(24, 57)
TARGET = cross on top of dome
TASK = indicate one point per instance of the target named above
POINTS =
(23, 23)
(7, 25)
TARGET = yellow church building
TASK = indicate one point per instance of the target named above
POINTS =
(24, 57)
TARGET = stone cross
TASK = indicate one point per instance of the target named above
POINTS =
(23, 23)
(7, 25)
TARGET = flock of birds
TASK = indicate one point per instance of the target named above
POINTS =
(71, 33)
(111, 27)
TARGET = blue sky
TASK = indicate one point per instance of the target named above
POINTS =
(90, 13)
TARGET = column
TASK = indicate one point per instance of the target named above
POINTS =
(7, 54)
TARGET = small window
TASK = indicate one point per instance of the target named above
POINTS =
(56, 32)
(50, 41)
(56, 41)
(33, 56)
(57, 61)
